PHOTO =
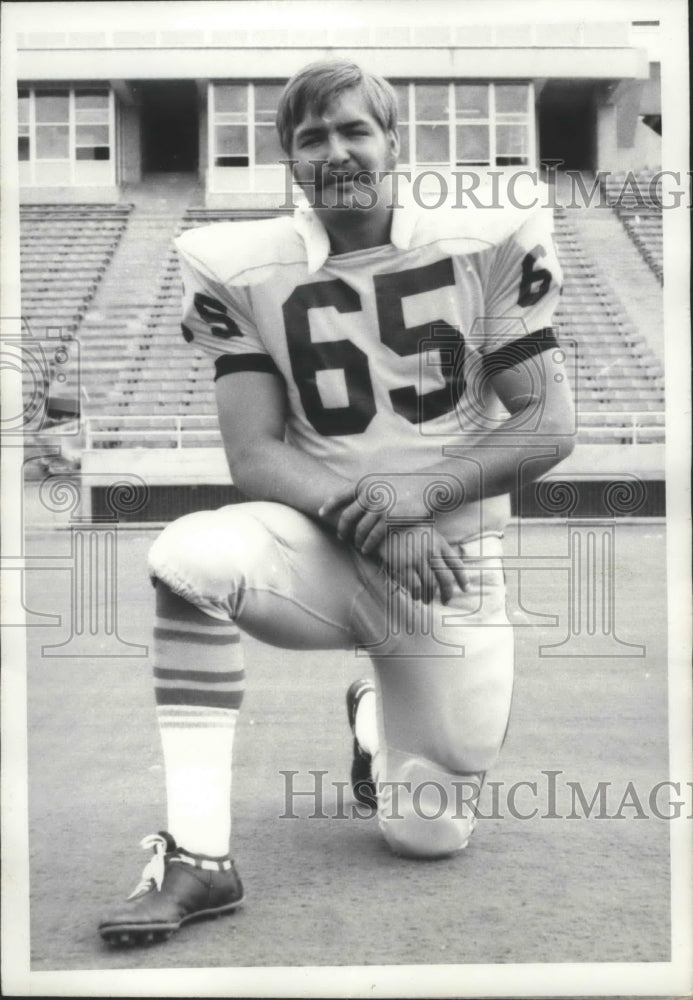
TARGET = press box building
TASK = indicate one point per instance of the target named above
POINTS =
(106, 101)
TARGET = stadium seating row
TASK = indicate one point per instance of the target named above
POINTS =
(646, 231)
(65, 251)
(637, 200)
(614, 368)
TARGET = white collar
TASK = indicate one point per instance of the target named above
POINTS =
(317, 242)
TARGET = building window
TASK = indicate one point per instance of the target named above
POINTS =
(231, 113)
(432, 124)
(465, 124)
(244, 131)
(65, 135)
(266, 99)
(23, 139)
(443, 125)
(512, 124)
(472, 125)
(92, 135)
(52, 118)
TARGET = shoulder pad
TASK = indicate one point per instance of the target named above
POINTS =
(242, 253)
(484, 217)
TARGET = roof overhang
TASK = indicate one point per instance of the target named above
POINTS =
(498, 63)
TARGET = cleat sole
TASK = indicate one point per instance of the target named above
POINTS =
(134, 935)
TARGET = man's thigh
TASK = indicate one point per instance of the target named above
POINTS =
(446, 679)
(271, 569)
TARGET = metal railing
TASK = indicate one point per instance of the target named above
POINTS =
(175, 431)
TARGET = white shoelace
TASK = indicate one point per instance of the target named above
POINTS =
(153, 871)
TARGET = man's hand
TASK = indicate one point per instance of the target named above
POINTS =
(415, 554)
(365, 528)
(420, 560)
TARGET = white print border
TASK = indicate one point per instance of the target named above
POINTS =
(546, 979)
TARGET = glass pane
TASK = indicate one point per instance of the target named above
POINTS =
(91, 99)
(431, 101)
(471, 100)
(402, 91)
(511, 97)
(511, 140)
(266, 101)
(92, 115)
(52, 106)
(432, 144)
(404, 144)
(23, 147)
(23, 106)
(91, 135)
(231, 139)
(473, 144)
(511, 161)
(52, 142)
(231, 97)
(231, 161)
(267, 148)
(23, 129)
(92, 153)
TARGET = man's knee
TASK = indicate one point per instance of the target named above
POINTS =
(470, 757)
(207, 555)
(426, 813)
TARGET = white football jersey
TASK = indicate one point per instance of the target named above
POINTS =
(385, 352)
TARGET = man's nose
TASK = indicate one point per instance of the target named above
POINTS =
(337, 151)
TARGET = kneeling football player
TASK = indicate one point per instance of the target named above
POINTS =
(384, 375)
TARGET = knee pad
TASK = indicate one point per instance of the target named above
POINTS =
(426, 813)
(208, 556)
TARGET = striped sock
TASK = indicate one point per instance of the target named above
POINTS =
(198, 683)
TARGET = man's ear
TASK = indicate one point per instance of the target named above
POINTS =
(394, 147)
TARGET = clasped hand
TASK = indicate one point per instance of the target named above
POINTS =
(416, 555)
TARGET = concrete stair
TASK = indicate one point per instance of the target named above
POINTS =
(119, 314)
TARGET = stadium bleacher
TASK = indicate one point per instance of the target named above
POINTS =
(636, 199)
(64, 253)
(614, 367)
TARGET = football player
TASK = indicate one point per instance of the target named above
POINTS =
(385, 376)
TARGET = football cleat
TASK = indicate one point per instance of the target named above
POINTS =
(362, 783)
(176, 886)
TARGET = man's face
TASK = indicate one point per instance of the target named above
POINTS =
(342, 155)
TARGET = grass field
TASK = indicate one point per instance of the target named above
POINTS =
(327, 891)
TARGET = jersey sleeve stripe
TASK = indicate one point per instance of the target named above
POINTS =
(229, 363)
(520, 350)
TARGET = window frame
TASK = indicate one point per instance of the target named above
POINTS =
(250, 123)
(525, 119)
(30, 168)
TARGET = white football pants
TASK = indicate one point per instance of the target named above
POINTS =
(443, 673)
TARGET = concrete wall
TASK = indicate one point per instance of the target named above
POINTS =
(129, 152)
(645, 149)
(203, 163)
(69, 195)
(436, 62)
(199, 466)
